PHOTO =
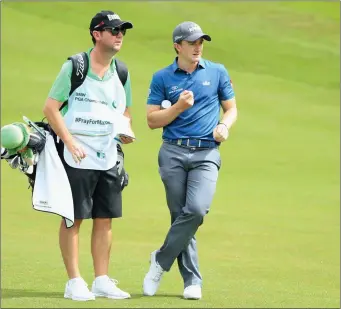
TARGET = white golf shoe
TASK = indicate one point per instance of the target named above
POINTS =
(77, 289)
(152, 279)
(104, 286)
(192, 292)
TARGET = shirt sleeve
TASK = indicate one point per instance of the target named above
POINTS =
(127, 89)
(156, 91)
(62, 85)
(225, 91)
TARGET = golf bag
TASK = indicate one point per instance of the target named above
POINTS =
(37, 144)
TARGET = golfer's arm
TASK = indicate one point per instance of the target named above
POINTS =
(230, 112)
(158, 118)
(55, 119)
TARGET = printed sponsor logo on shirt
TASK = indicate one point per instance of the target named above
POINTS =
(100, 155)
(92, 121)
(81, 97)
(206, 83)
(174, 89)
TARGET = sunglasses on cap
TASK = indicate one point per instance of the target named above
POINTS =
(116, 31)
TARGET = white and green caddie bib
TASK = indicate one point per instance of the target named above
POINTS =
(89, 117)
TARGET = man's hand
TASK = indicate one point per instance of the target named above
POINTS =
(186, 100)
(220, 133)
(127, 139)
(76, 150)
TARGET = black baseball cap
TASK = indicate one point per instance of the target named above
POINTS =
(189, 31)
(108, 19)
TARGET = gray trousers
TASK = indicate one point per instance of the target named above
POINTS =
(189, 176)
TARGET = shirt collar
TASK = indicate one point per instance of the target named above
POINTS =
(202, 63)
(175, 66)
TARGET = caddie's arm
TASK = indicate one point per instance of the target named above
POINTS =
(55, 119)
(58, 94)
(127, 112)
(157, 117)
(129, 100)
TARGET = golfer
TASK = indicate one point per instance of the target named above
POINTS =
(185, 100)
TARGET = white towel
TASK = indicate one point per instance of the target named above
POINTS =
(52, 191)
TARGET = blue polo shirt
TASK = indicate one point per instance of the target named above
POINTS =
(210, 84)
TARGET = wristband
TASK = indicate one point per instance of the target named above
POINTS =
(224, 125)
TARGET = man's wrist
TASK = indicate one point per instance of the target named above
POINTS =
(177, 107)
(67, 139)
(223, 123)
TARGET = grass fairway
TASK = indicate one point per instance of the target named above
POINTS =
(271, 239)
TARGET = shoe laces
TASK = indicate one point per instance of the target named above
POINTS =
(114, 281)
(159, 272)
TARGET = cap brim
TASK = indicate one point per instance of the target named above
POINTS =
(196, 36)
(127, 25)
(120, 23)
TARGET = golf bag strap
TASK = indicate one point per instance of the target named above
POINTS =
(80, 66)
(122, 71)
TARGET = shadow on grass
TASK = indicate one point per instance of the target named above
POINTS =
(19, 293)
(135, 296)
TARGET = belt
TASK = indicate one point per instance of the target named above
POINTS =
(192, 142)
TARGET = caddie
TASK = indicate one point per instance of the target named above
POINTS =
(88, 150)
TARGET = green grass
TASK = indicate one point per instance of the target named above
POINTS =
(272, 237)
